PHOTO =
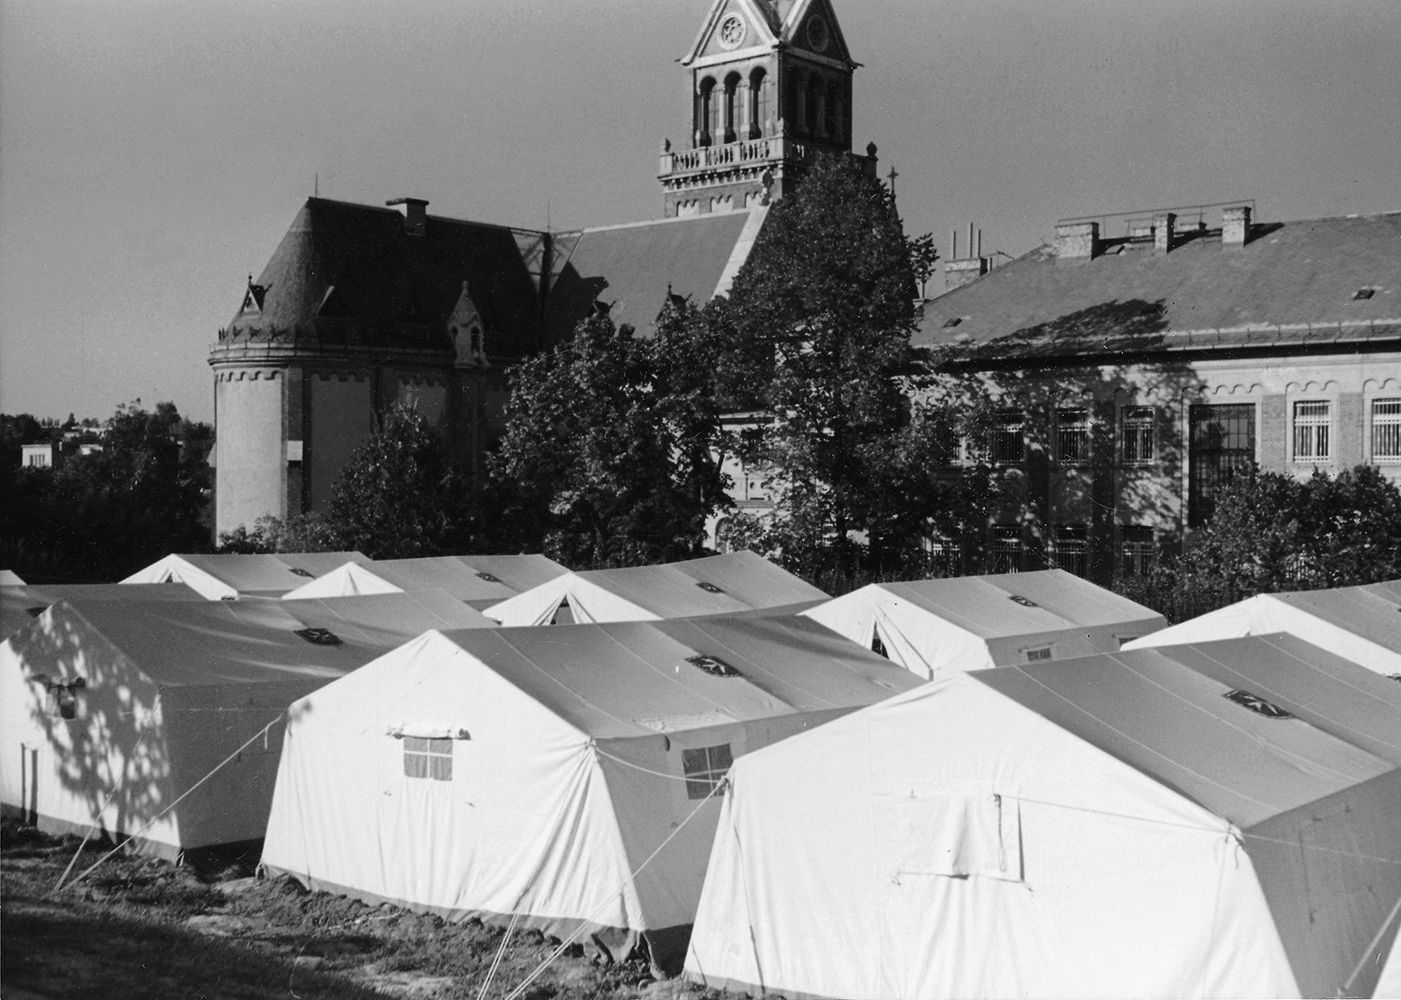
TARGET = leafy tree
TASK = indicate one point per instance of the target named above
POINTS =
(399, 497)
(609, 456)
(102, 516)
(817, 331)
(1270, 532)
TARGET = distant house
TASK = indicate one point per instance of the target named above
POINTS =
(37, 456)
(1139, 369)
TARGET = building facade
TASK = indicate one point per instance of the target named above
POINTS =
(362, 307)
(1137, 371)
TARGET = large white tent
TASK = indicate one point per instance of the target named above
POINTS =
(480, 581)
(229, 577)
(1118, 825)
(530, 772)
(21, 605)
(110, 710)
(9, 578)
(976, 622)
(1361, 623)
(713, 585)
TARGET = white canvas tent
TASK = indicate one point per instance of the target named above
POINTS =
(9, 578)
(1101, 827)
(229, 577)
(976, 622)
(531, 771)
(21, 605)
(112, 710)
(1361, 623)
(714, 585)
(480, 581)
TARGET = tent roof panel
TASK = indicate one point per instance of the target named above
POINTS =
(631, 678)
(16, 602)
(261, 574)
(743, 580)
(1329, 692)
(1372, 611)
(1175, 725)
(985, 605)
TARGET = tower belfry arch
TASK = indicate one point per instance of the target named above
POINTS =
(770, 88)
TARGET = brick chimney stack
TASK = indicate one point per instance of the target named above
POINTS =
(1235, 226)
(1164, 231)
(415, 213)
(1077, 240)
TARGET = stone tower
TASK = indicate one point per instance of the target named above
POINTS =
(769, 84)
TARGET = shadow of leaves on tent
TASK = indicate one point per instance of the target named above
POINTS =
(110, 756)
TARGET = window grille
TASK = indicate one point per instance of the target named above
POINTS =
(302, 572)
(427, 758)
(945, 556)
(708, 587)
(1312, 423)
(712, 665)
(1073, 436)
(1071, 549)
(1137, 431)
(1257, 704)
(319, 636)
(1137, 553)
(1222, 444)
(1005, 550)
(704, 768)
(1008, 445)
(488, 577)
(1386, 430)
(1038, 654)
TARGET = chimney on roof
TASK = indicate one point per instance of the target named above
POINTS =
(1235, 226)
(1077, 240)
(415, 213)
(1164, 231)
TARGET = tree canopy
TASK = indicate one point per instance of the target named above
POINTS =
(609, 455)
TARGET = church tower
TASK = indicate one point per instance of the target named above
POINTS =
(769, 84)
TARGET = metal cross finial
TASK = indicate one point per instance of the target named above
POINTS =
(892, 175)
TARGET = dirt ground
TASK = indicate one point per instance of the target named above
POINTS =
(137, 928)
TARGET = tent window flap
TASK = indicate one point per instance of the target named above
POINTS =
(704, 768)
(427, 758)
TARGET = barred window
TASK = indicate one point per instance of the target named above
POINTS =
(945, 556)
(1008, 445)
(1136, 551)
(1039, 653)
(1386, 430)
(1137, 431)
(704, 767)
(1073, 436)
(1312, 422)
(1071, 549)
(1005, 550)
(427, 758)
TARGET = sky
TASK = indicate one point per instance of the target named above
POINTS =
(153, 152)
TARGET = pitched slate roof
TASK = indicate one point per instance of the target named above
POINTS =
(630, 267)
(1292, 284)
(347, 273)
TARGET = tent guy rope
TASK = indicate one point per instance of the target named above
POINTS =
(185, 794)
(587, 921)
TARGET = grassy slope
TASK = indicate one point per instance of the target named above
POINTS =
(140, 928)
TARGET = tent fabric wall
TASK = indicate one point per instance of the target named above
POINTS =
(348, 580)
(1100, 827)
(478, 580)
(826, 877)
(1359, 623)
(9, 578)
(568, 767)
(169, 690)
(974, 623)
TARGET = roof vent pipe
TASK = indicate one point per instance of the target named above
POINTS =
(414, 211)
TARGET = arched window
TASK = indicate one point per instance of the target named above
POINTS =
(797, 84)
(732, 107)
(835, 128)
(758, 104)
(705, 112)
